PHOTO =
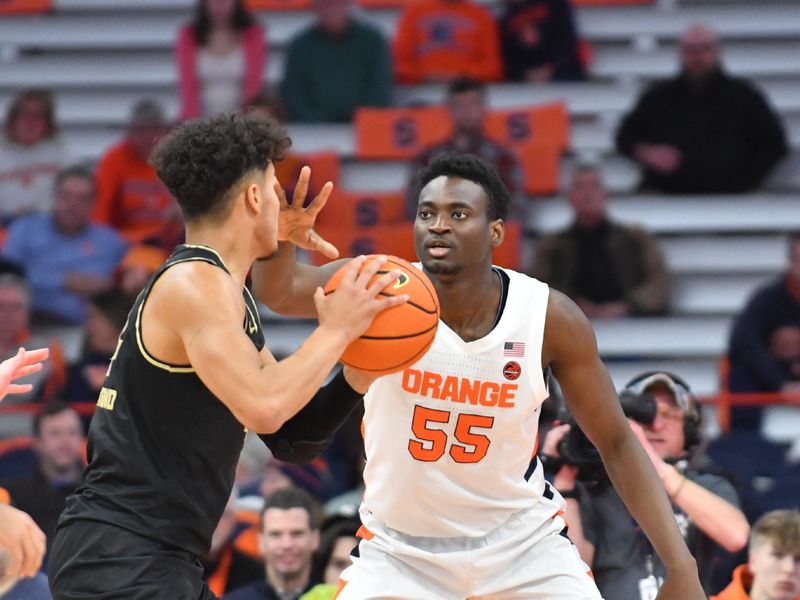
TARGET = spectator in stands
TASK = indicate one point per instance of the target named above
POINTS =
(31, 153)
(221, 56)
(290, 536)
(440, 40)
(702, 131)
(15, 310)
(608, 269)
(139, 263)
(706, 506)
(58, 443)
(764, 348)
(336, 65)
(226, 567)
(773, 569)
(540, 42)
(106, 314)
(337, 540)
(466, 103)
(66, 257)
(130, 196)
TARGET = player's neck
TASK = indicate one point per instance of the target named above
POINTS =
(469, 303)
(233, 248)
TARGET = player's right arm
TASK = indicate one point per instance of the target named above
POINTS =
(202, 306)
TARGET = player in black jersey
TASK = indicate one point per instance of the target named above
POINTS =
(191, 373)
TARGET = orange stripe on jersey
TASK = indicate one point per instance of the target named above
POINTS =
(364, 533)
(590, 574)
(339, 589)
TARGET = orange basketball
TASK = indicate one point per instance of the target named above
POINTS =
(399, 336)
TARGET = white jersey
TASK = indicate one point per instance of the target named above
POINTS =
(449, 440)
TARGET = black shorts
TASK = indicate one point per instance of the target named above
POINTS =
(95, 560)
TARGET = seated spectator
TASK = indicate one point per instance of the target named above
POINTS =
(58, 442)
(466, 103)
(226, 567)
(31, 153)
(706, 506)
(337, 540)
(139, 263)
(336, 65)
(440, 40)
(290, 536)
(764, 347)
(221, 56)
(130, 196)
(773, 569)
(66, 257)
(15, 311)
(539, 41)
(608, 269)
(106, 315)
(702, 131)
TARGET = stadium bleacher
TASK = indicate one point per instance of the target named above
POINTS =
(101, 56)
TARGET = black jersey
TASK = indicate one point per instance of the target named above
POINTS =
(162, 448)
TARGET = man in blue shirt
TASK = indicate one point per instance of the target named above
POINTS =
(66, 257)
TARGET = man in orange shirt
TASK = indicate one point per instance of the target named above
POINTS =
(773, 568)
(439, 40)
(130, 196)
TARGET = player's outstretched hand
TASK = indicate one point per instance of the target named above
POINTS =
(24, 542)
(22, 364)
(352, 307)
(296, 221)
(682, 586)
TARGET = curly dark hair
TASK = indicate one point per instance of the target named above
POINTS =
(202, 160)
(472, 168)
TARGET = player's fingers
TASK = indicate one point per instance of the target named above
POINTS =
(370, 271)
(15, 558)
(320, 244)
(19, 388)
(34, 356)
(279, 191)
(29, 564)
(34, 552)
(384, 281)
(318, 203)
(352, 269)
(28, 370)
(301, 189)
(390, 302)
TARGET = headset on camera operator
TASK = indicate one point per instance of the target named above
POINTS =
(705, 505)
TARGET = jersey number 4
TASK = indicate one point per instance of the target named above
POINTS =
(431, 443)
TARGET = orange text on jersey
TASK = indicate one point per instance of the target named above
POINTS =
(459, 389)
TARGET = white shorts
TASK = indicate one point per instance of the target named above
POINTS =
(524, 558)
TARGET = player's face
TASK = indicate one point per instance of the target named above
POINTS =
(340, 559)
(267, 232)
(59, 441)
(665, 433)
(452, 229)
(288, 541)
(776, 575)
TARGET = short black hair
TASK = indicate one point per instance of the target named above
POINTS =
(53, 407)
(293, 497)
(461, 85)
(471, 168)
(80, 171)
(202, 160)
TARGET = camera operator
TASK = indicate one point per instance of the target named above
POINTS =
(706, 506)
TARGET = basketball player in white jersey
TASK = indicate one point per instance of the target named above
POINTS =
(449, 512)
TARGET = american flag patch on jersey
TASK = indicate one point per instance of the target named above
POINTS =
(514, 349)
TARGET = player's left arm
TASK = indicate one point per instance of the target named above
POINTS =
(571, 350)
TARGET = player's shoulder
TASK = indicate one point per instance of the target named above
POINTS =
(195, 285)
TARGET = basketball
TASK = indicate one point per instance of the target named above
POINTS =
(399, 336)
